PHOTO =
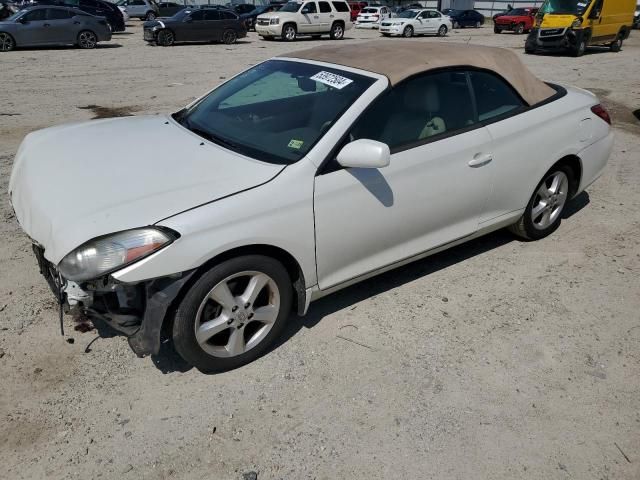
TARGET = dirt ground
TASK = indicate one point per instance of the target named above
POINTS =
(498, 359)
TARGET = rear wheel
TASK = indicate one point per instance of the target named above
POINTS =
(616, 45)
(150, 16)
(442, 31)
(478, 24)
(544, 211)
(519, 29)
(233, 313)
(455, 25)
(408, 32)
(87, 39)
(6, 42)
(289, 32)
(337, 31)
(165, 38)
(229, 37)
(496, 29)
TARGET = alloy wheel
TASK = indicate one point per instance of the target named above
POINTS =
(151, 16)
(550, 200)
(166, 38)
(229, 37)
(478, 24)
(520, 29)
(338, 32)
(289, 33)
(237, 314)
(408, 32)
(6, 42)
(87, 39)
(442, 31)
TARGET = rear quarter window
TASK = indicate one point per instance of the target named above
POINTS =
(341, 6)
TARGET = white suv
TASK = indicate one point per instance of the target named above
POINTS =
(306, 18)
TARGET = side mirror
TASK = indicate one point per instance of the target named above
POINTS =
(23, 20)
(305, 11)
(188, 20)
(364, 153)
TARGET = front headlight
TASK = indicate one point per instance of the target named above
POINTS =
(274, 21)
(105, 254)
(577, 23)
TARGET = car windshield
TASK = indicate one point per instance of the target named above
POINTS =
(291, 7)
(407, 14)
(517, 12)
(275, 111)
(369, 10)
(571, 7)
(452, 12)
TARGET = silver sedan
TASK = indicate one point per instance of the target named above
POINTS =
(49, 25)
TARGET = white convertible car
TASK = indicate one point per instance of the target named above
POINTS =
(296, 178)
(416, 22)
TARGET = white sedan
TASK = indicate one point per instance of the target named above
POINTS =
(296, 178)
(371, 17)
(417, 22)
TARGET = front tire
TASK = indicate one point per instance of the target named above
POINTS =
(165, 38)
(544, 210)
(337, 31)
(87, 40)
(407, 32)
(229, 37)
(289, 32)
(580, 48)
(519, 29)
(442, 31)
(7, 43)
(233, 313)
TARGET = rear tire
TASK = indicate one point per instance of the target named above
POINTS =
(519, 29)
(478, 24)
(7, 43)
(442, 31)
(150, 16)
(229, 330)
(543, 213)
(616, 45)
(165, 38)
(337, 31)
(496, 29)
(455, 25)
(87, 40)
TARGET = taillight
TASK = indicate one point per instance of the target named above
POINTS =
(600, 111)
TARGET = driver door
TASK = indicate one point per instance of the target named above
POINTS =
(433, 192)
(33, 30)
(309, 18)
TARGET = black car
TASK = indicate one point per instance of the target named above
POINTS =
(98, 8)
(250, 18)
(169, 9)
(196, 25)
(241, 8)
(464, 18)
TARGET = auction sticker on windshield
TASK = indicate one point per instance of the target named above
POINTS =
(331, 79)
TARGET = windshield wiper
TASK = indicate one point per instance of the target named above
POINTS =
(210, 136)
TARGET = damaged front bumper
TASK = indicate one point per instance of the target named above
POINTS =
(136, 310)
(553, 39)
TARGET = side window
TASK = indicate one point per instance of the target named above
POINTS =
(199, 15)
(58, 14)
(324, 7)
(417, 109)
(88, 4)
(310, 7)
(36, 15)
(227, 16)
(493, 95)
(342, 7)
(211, 15)
(424, 14)
(136, 3)
(433, 14)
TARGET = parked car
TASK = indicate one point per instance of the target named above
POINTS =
(355, 9)
(465, 18)
(503, 12)
(142, 9)
(241, 8)
(295, 180)
(251, 17)
(416, 22)
(306, 18)
(169, 9)
(98, 8)
(196, 25)
(51, 25)
(371, 17)
(125, 14)
(518, 20)
(574, 25)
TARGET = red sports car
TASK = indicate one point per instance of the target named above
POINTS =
(518, 20)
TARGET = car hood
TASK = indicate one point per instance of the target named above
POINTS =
(72, 183)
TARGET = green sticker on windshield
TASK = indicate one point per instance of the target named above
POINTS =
(295, 144)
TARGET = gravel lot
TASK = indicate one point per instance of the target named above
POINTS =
(498, 359)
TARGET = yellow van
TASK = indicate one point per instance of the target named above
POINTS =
(573, 25)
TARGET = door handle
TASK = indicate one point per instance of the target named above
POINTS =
(316, 16)
(480, 159)
(46, 25)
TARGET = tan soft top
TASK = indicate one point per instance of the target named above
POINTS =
(398, 60)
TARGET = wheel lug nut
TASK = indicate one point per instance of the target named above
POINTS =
(250, 315)
(229, 322)
(247, 305)
(235, 307)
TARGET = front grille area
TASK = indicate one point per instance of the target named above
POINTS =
(550, 32)
(263, 21)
